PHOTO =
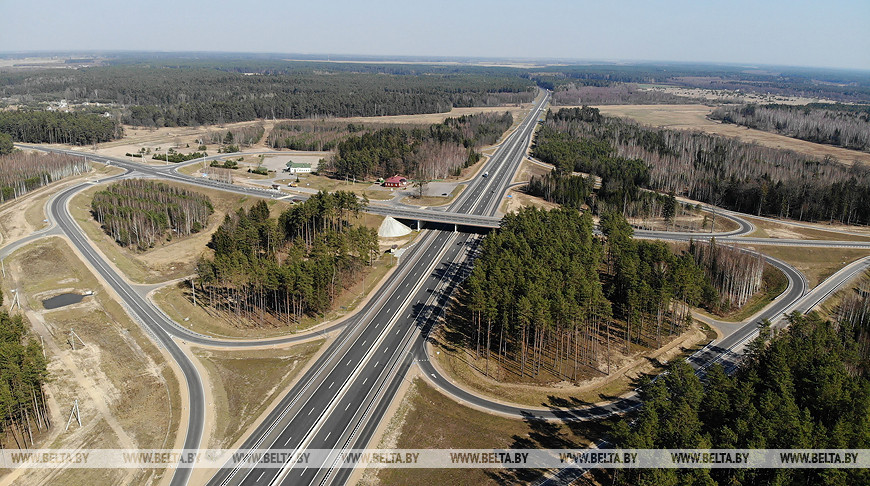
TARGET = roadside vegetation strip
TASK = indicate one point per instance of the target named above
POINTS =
(816, 263)
(245, 383)
(22, 172)
(411, 427)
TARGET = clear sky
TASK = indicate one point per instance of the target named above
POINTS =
(821, 33)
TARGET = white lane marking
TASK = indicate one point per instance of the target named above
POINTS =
(347, 407)
(288, 440)
(327, 435)
(330, 385)
(309, 412)
(260, 477)
(348, 363)
(364, 381)
(376, 364)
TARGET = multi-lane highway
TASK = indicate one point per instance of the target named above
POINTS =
(341, 398)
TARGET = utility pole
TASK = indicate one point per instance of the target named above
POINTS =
(72, 339)
(193, 288)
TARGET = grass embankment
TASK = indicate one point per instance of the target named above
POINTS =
(128, 395)
(770, 229)
(460, 427)
(244, 384)
(816, 263)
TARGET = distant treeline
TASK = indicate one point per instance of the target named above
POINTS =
(191, 94)
(283, 269)
(22, 172)
(315, 135)
(576, 93)
(846, 126)
(718, 170)
(23, 371)
(58, 127)
(139, 213)
(839, 85)
(432, 153)
(805, 388)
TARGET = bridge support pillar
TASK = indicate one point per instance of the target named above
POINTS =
(418, 225)
(455, 227)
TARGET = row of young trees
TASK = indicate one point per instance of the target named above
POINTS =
(244, 136)
(24, 171)
(72, 128)
(278, 270)
(433, 153)
(842, 125)
(717, 170)
(546, 293)
(139, 213)
(23, 373)
(805, 388)
(736, 275)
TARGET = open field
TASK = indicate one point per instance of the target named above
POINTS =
(694, 117)
(172, 259)
(245, 382)
(462, 366)
(128, 395)
(770, 229)
(459, 427)
(816, 263)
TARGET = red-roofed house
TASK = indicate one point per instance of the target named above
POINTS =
(396, 181)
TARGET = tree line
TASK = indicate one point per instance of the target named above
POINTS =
(804, 388)
(845, 126)
(24, 171)
(317, 135)
(718, 170)
(23, 373)
(138, 213)
(590, 93)
(433, 153)
(244, 136)
(545, 294)
(197, 94)
(278, 270)
(71, 128)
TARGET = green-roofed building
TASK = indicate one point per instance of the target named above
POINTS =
(298, 168)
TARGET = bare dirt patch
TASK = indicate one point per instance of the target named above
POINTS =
(128, 395)
(694, 117)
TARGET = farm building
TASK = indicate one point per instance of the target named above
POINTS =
(396, 181)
